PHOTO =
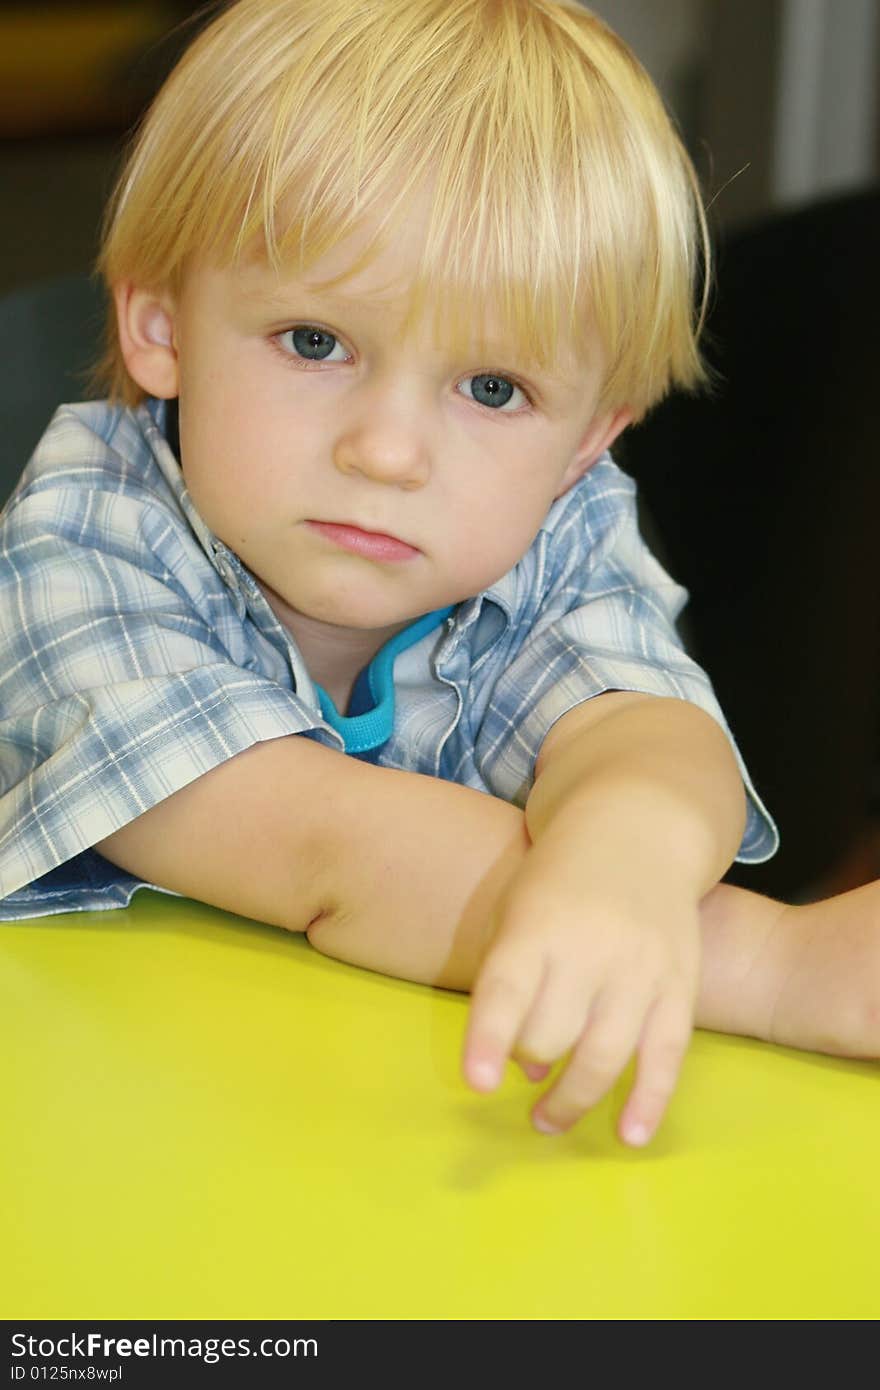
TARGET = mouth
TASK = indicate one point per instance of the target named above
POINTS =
(371, 545)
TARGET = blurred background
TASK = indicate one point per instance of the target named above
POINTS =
(761, 497)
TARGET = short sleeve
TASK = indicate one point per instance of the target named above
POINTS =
(127, 667)
(595, 612)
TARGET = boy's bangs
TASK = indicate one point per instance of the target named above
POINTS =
(479, 156)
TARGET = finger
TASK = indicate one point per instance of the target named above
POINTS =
(600, 1055)
(556, 1018)
(535, 1071)
(662, 1050)
(501, 1000)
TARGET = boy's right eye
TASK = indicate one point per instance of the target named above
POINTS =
(312, 343)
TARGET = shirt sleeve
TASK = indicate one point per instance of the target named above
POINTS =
(126, 670)
(599, 613)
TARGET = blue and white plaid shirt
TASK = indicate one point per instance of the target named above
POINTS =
(137, 653)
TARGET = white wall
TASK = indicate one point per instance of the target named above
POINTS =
(777, 98)
(826, 99)
(668, 36)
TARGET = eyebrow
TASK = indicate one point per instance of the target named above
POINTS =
(282, 305)
(282, 302)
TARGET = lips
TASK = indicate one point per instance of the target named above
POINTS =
(371, 545)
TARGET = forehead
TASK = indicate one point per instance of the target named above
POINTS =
(356, 268)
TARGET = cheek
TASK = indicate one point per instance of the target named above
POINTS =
(228, 462)
(216, 482)
(496, 526)
(223, 414)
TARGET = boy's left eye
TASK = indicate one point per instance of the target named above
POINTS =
(497, 392)
(312, 343)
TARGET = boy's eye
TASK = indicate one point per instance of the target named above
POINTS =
(498, 392)
(312, 343)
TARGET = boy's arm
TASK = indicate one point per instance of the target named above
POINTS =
(666, 748)
(635, 812)
(391, 870)
(637, 809)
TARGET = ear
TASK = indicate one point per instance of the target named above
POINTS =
(601, 434)
(145, 322)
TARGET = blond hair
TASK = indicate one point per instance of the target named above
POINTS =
(561, 195)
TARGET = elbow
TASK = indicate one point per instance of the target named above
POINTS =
(313, 929)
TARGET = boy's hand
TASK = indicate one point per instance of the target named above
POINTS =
(635, 813)
(593, 958)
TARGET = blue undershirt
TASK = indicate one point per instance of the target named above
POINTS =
(370, 719)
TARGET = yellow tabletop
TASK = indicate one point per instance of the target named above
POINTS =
(205, 1118)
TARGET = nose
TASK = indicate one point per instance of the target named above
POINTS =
(385, 441)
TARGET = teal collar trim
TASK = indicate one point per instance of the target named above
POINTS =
(373, 693)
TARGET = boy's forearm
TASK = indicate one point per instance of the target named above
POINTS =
(655, 776)
(391, 870)
(401, 873)
(414, 888)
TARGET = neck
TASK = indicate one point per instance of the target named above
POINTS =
(335, 656)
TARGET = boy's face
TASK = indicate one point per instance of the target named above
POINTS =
(309, 418)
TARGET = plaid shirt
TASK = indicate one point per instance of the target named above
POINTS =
(137, 653)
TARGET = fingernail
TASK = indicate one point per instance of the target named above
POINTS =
(483, 1074)
(636, 1135)
(545, 1126)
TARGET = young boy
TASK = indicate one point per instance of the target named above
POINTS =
(336, 614)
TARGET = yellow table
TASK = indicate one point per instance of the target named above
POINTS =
(204, 1118)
